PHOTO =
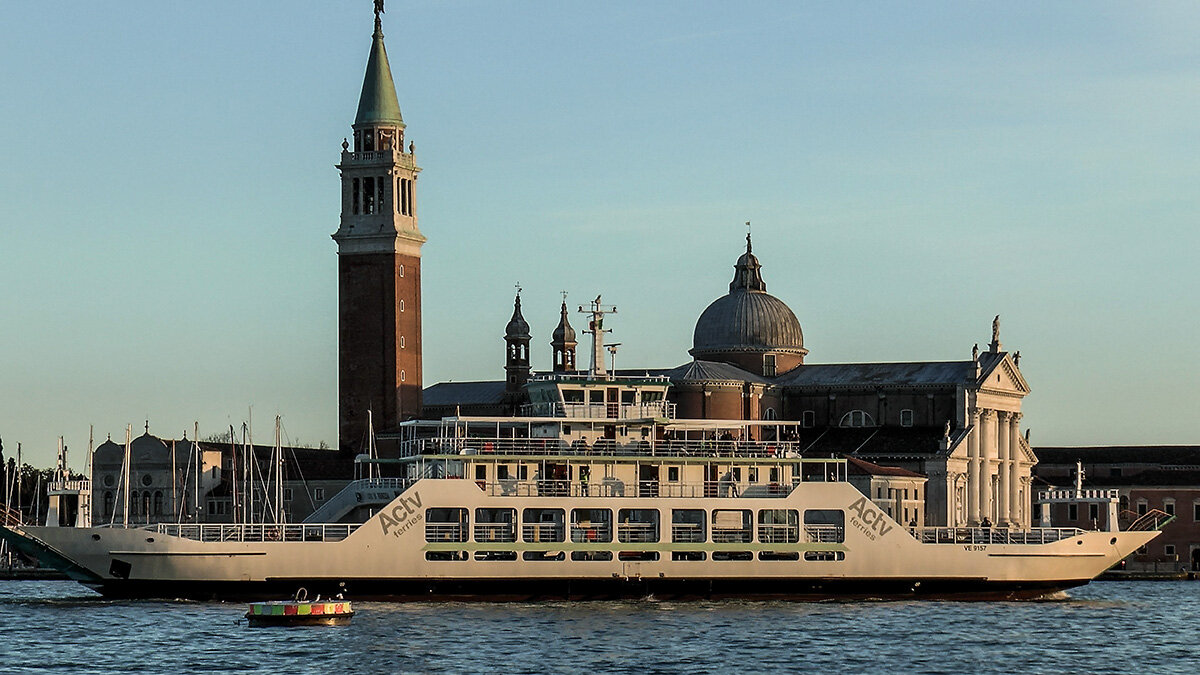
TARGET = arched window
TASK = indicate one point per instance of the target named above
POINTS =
(108, 502)
(158, 502)
(769, 414)
(857, 418)
(146, 503)
(133, 503)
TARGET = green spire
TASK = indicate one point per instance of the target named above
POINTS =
(378, 100)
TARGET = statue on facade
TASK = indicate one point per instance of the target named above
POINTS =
(946, 432)
(996, 329)
(975, 352)
(1017, 359)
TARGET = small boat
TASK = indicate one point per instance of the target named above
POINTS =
(300, 611)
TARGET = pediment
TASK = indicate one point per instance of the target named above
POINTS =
(1004, 376)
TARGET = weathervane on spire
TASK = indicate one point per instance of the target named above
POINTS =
(378, 11)
(748, 237)
(516, 285)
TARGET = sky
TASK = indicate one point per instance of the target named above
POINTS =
(910, 169)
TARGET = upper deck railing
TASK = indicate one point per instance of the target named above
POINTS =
(605, 447)
(618, 411)
(1073, 495)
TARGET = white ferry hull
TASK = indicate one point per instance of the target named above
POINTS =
(386, 557)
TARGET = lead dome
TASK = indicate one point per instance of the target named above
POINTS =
(747, 319)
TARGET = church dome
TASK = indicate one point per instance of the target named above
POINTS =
(517, 326)
(747, 319)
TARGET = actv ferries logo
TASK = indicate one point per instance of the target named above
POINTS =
(406, 513)
(869, 519)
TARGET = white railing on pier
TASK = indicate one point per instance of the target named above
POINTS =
(256, 532)
(1073, 495)
(988, 535)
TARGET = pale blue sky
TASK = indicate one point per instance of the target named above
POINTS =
(911, 169)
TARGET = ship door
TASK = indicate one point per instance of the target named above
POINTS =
(711, 476)
(614, 402)
(648, 480)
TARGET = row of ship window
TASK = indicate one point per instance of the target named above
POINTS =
(596, 525)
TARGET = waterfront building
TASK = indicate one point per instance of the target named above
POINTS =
(1145, 478)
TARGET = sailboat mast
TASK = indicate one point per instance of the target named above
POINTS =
(196, 455)
(125, 477)
(278, 474)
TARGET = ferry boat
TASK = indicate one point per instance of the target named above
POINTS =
(596, 491)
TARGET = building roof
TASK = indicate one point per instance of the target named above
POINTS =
(378, 102)
(747, 319)
(856, 466)
(464, 393)
(710, 371)
(920, 373)
(1120, 454)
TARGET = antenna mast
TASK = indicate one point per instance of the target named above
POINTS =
(597, 330)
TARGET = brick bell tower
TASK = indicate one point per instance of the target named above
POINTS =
(379, 263)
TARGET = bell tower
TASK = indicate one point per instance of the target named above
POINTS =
(379, 262)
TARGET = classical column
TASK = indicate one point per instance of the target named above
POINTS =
(1003, 457)
(1015, 502)
(973, 470)
(987, 451)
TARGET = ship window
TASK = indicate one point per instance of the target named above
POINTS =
(319, 494)
(825, 526)
(596, 396)
(402, 271)
(779, 526)
(495, 525)
(545, 556)
(733, 555)
(811, 556)
(673, 474)
(779, 555)
(539, 525)
(637, 525)
(638, 556)
(402, 305)
(591, 525)
(591, 555)
(572, 395)
(480, 472)
(689, 556)
(446, 524)
(445, 556)
(502, 472)
(808, 419)
(906, 417)
(522, 472)
(732, 526)
(774, 472)
(687, 526)
(401, 375)
(1072, 512)
(505, 556)
(856, 419)
(753, 471)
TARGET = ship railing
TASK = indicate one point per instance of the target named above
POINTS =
(256, 532)
(581, 533)
(824, 534)
(992, 535)
(495, 532)
(506, 487)
(725, 535)
(606, 448)
(637, 532)
(548, 532)
(445, 532)
(10, 517)
(688, 533)
(656, 409)
(778, 534)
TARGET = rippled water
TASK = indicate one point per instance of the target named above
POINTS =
(1106, 627)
